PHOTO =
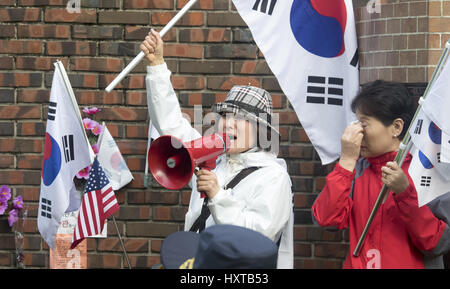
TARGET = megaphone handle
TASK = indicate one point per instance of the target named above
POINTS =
(203, 194)
(207, 165)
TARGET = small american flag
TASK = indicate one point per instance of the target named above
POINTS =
(99, 202)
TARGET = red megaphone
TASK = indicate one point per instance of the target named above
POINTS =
(172, 162)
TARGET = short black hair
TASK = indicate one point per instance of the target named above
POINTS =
(385, 101)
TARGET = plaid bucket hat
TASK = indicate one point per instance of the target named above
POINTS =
(250, 102)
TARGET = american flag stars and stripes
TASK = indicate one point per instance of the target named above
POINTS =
(99, 202)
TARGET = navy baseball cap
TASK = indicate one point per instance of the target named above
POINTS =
(219, 247)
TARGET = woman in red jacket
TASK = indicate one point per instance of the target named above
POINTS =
(402, 235)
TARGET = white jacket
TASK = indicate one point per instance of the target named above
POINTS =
(262, 201)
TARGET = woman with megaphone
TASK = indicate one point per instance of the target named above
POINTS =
(250, 186)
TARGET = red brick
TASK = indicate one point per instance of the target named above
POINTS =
(43, 31)
(150, 229)
(20, 79)
(317, 264)
(204, 67)
(226, 83)
(416, 74)
(134, 213)
(97, 32)
(20, 177)
(148, 4)
(6, 31)
(38, 63)
(287, 117)
(71, 48)
(136, 245)
(144, 262)
(6, 161)
(434, 8)
(20, 46)
(188, 82)
(135, 82)
(97, 64)
(251, 67)
(123, 114)
(446, 8)
(136, 163)
(189, 19)
(225, 19)
(438, 24)
(124, 17)
(90, 97)
(29, 162)
(40, 2)
(33, 95)
(302, 250)
(206, 4)
(205, 35)
(136, 98)
(299, 134)
(62, 15)
(31, 129)
(9, 2)
(183, 50)
(330, 250)
(20, 14)
(19, 112)
(105, 261)
(6, 62)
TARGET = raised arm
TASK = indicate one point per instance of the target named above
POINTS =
(163, 105)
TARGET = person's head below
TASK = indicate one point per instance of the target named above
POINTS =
(220, 246)
(385, 110)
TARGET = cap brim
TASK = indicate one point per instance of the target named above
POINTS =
(177, 248)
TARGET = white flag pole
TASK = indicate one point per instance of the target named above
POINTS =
(405, 146)
(99, 141)
(149, 140)
(141, 54)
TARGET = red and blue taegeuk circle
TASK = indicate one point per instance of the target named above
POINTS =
(435, 133)
(426, 163)
(51, 162)
(319, 26)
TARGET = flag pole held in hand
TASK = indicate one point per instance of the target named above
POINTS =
(405, 146)
(141, 54)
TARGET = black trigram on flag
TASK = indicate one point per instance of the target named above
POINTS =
(355, 59)
(51, 111)
(425, 181)
(69, 154)
(46, 208)
(418, 128)
(263, 6)
(323, 90)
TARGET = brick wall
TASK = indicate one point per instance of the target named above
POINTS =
(208, 51)
(404, 42)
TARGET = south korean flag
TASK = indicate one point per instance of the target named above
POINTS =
(428, 137)
(66, 152)
(311, 48)
(431, 176)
